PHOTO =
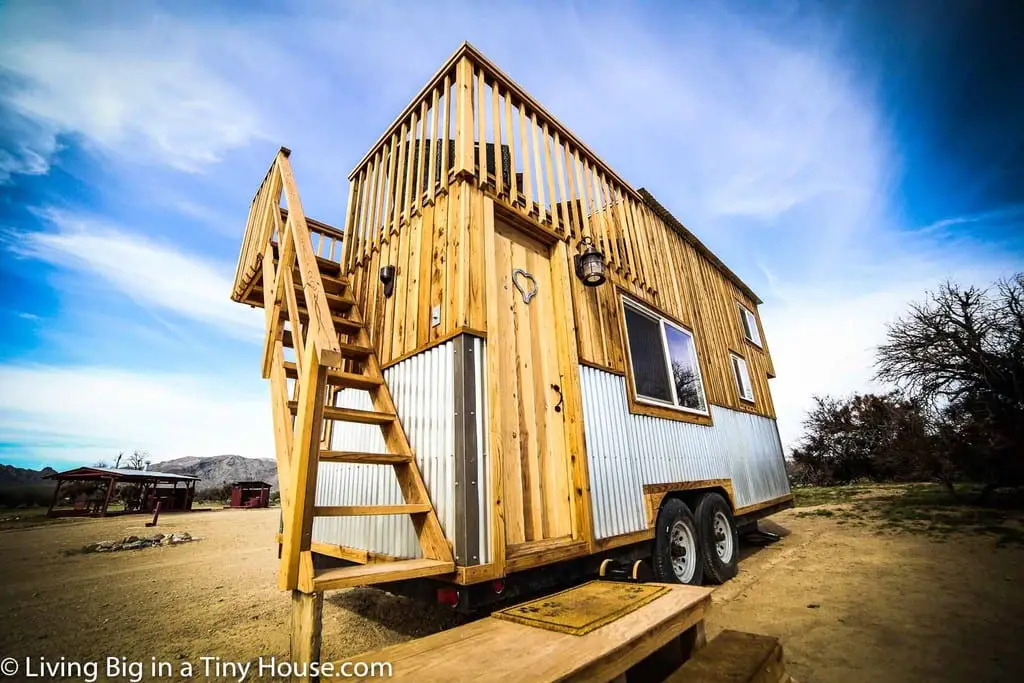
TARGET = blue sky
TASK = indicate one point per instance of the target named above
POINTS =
(841, 157)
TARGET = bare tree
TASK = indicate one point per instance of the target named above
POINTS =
(962, 349)
(138, 460)
(878, 437)
(687, 386)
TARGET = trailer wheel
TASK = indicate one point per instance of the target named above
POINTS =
(677, 553)
(719, 539)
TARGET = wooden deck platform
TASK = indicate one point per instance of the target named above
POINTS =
(492, 649)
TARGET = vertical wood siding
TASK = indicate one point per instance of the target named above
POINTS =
(472, 133)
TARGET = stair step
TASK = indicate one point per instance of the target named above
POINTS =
(338, 378)
(365, 458)
(370, 510)
(325, 265)
(354, 351)
(368, 417)
(341, 323)
(328, 266)
(380, 572)
(338, 303)
(334, 284)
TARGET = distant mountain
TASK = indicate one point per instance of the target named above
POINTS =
(9, 474)
(218, 470)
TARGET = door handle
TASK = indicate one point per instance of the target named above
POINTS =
(558, 390)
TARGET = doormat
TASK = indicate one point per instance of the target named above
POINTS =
(582, 609)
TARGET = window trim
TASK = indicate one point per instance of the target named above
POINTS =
(629, 302)
(744, 311)
(733, 357)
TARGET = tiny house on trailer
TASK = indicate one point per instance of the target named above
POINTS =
(507, 359)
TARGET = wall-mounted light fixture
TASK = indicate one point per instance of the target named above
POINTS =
(387, 278)
(589, 264)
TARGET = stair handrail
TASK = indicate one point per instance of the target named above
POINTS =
(321, 328)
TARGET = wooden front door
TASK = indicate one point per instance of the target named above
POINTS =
(528, 418)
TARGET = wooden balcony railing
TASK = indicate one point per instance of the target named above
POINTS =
(473, 121)
(283, 234)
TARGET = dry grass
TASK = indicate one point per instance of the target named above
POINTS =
(925, 509)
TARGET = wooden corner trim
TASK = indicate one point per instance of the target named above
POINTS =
(654, 494)
(467, 576)
(630, 538)
(640, 408)
(765, 504)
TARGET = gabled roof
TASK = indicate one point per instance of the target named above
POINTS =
(98, 472)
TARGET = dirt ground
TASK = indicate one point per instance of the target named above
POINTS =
(851, 599)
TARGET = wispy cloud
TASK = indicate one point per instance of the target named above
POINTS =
(75, 415)
(155, 275)
(27, 146)
(1007, 215)
(143, 94)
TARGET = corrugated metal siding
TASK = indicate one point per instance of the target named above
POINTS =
(424, 394)
(626, 451)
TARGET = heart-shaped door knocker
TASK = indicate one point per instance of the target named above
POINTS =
(528, 294)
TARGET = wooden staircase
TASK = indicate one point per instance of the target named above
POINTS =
(311, 311)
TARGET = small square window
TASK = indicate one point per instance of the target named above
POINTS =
(749, 323)
(742, 374)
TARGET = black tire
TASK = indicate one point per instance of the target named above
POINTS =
(675, 518)
(719, 550)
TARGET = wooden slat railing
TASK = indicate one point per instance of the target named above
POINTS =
(285, 232)
(499, 136)
(327, 240)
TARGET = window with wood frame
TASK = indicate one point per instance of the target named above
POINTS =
(663, 360)
(742, 375)
(748, 321)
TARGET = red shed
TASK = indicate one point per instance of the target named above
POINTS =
(250, 494)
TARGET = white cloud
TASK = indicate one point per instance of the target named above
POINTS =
(76, 415)
(155, 275)
(141, 92)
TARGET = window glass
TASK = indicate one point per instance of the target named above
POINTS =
(749, 323)
(746, 390)
(685, 373)
(650, 376)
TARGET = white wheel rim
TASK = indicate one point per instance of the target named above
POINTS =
(683, 552)
(723, 537)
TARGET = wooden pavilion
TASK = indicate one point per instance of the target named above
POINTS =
(94, 500)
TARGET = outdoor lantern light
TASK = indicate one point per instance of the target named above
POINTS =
(387, 278)
(589, 264)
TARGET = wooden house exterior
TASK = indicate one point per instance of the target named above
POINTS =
(462, 426)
